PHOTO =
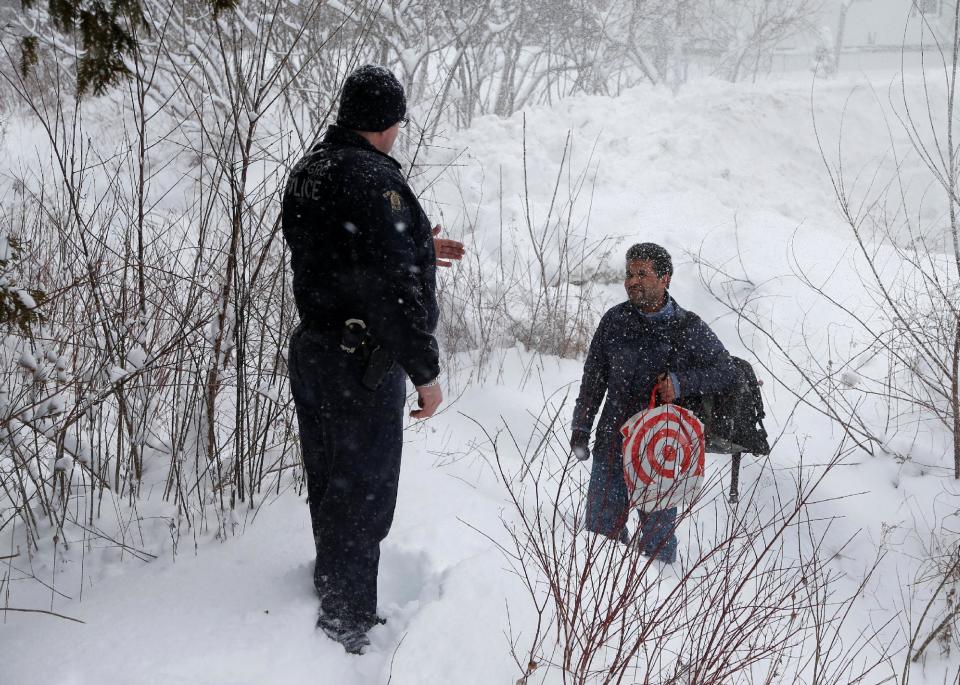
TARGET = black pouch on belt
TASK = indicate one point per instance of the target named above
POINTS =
(356, 339)
(379, 364)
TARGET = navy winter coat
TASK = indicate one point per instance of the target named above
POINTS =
(628, 351)
(361, 247)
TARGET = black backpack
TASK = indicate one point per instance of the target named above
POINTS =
(733, 419)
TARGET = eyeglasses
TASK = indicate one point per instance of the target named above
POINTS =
(404, 121)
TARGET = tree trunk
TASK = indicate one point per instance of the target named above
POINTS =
(955, 397)
(838, 38)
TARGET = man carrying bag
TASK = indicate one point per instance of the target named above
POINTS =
(649, 341)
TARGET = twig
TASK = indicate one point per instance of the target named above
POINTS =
(42, 611)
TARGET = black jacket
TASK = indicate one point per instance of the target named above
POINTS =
(628, 352)
(361, 247)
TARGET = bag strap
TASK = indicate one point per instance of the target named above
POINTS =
(758, 398)
(680, 328)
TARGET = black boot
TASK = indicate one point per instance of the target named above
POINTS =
(353, 638)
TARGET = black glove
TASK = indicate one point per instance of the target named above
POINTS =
(580, 445)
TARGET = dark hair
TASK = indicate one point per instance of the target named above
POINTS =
(662, 263)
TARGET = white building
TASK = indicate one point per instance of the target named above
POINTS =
(872, 34)
(891, 24)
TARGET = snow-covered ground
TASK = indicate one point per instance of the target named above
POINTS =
(727, 174)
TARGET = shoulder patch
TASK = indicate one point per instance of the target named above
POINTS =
(395, 200)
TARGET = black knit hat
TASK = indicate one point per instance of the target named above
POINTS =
(372, 99)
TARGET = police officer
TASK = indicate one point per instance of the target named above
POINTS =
(648, 341)
(364, 265)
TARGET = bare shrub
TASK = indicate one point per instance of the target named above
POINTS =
(159, 363)
(530, 283)
(752, 598)
(744, 33)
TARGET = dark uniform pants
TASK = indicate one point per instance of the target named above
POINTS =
(351, 439)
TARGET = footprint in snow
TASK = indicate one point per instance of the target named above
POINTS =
(408, 581)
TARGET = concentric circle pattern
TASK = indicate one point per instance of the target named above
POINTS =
(663, 456)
